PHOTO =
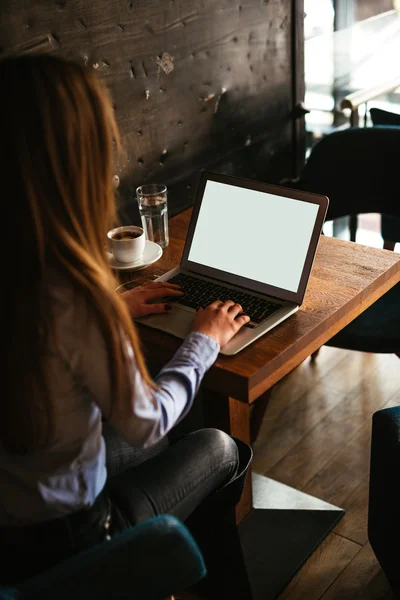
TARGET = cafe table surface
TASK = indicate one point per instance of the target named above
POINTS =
(346, 279)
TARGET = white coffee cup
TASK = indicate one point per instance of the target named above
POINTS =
(127, 243)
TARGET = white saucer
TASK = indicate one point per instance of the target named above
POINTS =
(152, 252)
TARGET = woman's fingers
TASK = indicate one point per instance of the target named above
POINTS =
(149, 309)
(242, 320)
(231, 307)
(161, 284)
(162, 293)
(216, 304)
(235, 309)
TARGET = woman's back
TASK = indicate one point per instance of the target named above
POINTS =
(58, 122)
(69, 473)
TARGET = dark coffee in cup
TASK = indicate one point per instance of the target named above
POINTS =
(125, 235)
(126, 243)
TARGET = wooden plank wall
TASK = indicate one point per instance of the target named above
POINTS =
(195, 83)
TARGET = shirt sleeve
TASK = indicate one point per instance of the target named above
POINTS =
(152, 413)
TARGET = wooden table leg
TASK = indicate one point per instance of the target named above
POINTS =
(258, 410)
(233, 417)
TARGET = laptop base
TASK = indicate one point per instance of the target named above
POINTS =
(179, 320)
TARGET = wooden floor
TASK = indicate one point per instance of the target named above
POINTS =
(315, 437)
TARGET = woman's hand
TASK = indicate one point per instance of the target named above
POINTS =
(140, 300)
(220, 320)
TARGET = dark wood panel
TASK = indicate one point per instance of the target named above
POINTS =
(194, 84)
(298, 83)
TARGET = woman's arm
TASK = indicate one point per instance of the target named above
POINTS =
(179, 380)
(151, 414)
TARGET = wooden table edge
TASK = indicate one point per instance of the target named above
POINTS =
(259, 384)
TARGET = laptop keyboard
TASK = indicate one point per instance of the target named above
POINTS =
(198, 292)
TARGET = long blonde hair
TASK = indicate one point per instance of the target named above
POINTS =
(57, 132)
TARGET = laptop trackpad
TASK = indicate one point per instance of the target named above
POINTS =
(178, 321)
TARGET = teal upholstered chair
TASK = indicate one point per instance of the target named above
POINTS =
(384, 493)
(148, 562)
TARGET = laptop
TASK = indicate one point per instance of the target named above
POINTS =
(250, 242)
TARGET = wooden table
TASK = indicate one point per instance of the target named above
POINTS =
(346, 279)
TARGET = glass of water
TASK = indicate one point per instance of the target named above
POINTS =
(153, 209)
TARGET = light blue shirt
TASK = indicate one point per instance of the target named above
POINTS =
(71, 473)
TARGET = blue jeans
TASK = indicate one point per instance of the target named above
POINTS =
(198, 479)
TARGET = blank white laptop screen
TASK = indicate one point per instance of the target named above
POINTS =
(253, 234)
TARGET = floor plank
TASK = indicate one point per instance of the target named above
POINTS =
(321, 569)
(371, 392)
(348, 487)
(315, 436)
(335, 484)
(354, 524)
(362, 578)
(297, 419)
(303, 398)
(375, 589)
(321, 374)
(321, 444)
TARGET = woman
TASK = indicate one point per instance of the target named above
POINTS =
(73, 352)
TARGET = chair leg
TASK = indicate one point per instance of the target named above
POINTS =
(315, 354)
(389, 245)
(353, 227)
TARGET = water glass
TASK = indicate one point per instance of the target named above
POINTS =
(152, 201)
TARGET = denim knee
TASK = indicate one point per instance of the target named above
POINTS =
(219, 445)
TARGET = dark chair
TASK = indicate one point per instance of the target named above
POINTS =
(390, 225)
(384, 117)
(148, 562)
(390, 229)
(384, 494)
(358, 169)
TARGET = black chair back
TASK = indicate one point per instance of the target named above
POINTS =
(358, 169)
